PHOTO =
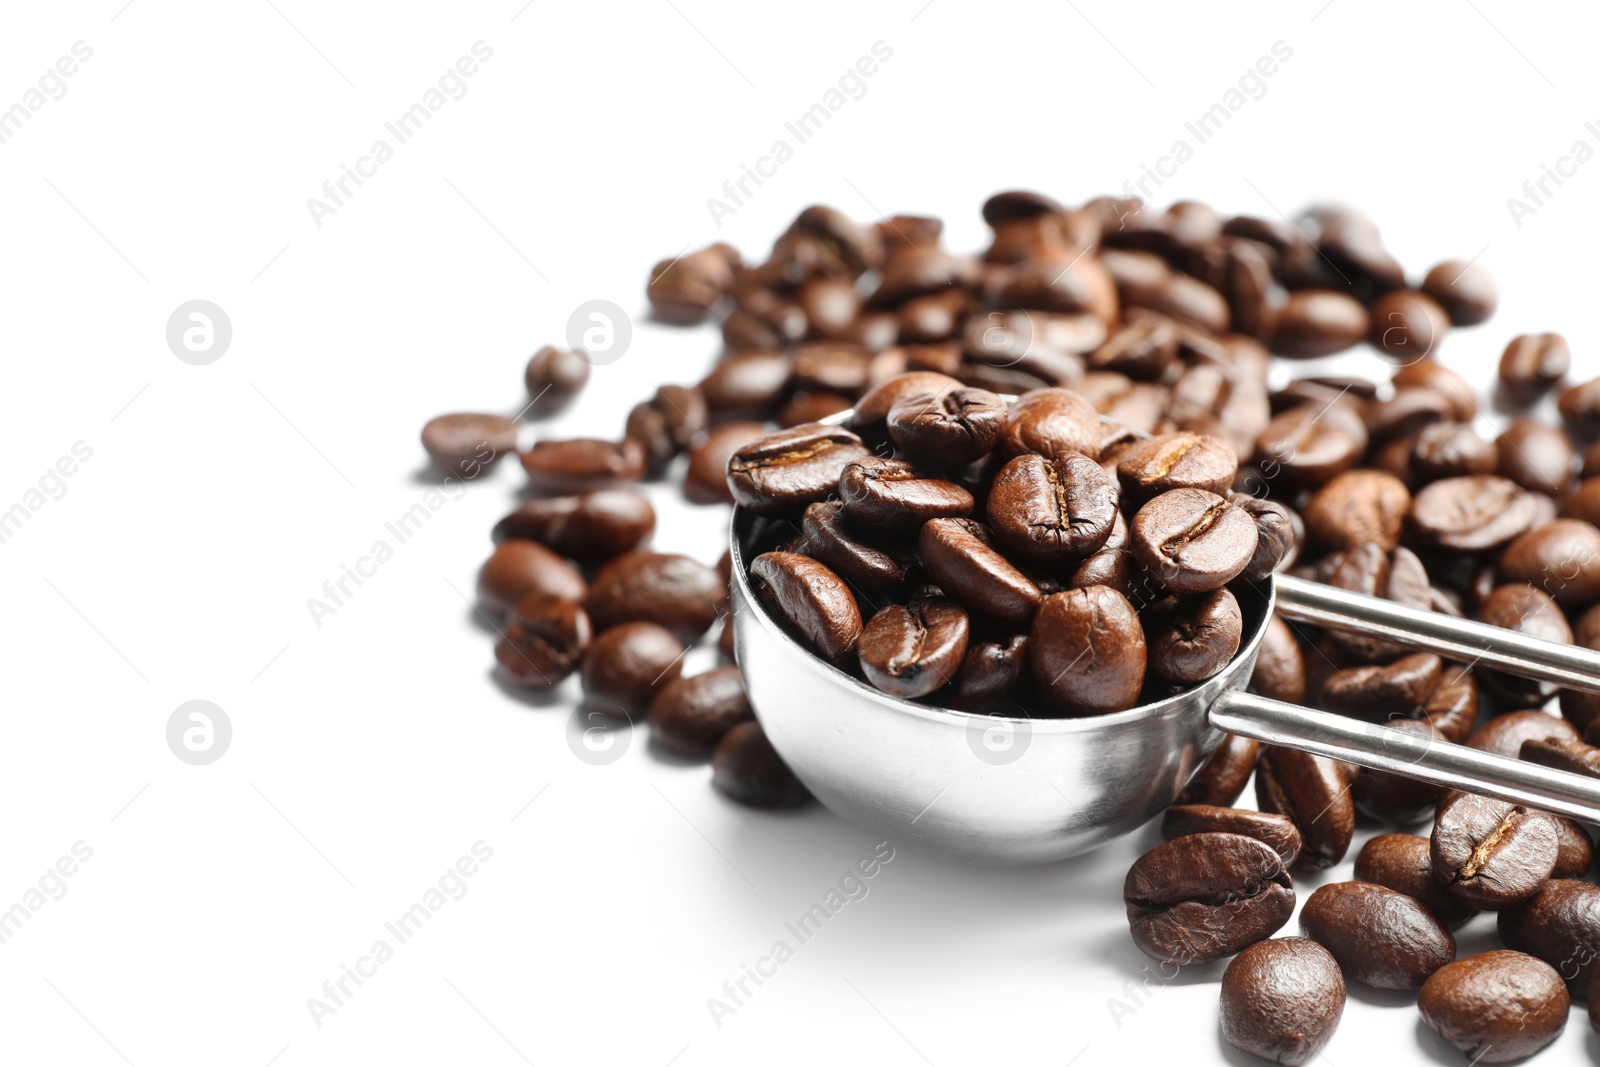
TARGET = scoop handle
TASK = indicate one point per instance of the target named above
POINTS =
(1413, 755)
(1473, 643)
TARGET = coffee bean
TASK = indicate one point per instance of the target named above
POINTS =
(1584, 501)
(1491, 853)
(990, 675)
(1563, 753)
(692, 713)
(879, 492)
(1496, 1007)
(1087, 651)
(747, 769)
(1560, 924)
(1365, 568)
(1529, 611)
(782, 473)
(1531, 365)
(1574, 850)
(590, 528)
(628, 664)
(517, 568)
(747, 383)
(1358, 507)
(1192, 540)
(1467, 293)
(1505, 734)
(1174, 461)
(812, 599)
(1408, 325)
(948, 427)
(958, 556)
(553, 377)
(466, 445)
(683, 289)
(1276, 539)
(1473, 514)
(1318, 322)
(1222, 777)
(1205, 896)
(1222, 402)
(912, 649)
(1582, 709)
(1049, 421)
(679, 593)
(1580, 407)
(829, 538)
(1193, 638)
(1313, 792)
(1280, 671)
(1142, 349)
(1404, 863)
(1310, 444)
(872, 410)
(1452, 450)
(1282, 1000)
(1117, 569)
(705, 481)
(1590, 467)
(1049, 510)
(668, 423)
(834, 366)
(580, 464)
(830, 304)
(1275, 831)
(544, 641)
(1431, 374)
(1381, 938)
(1452, 709)
(1379, 692)
(1394, 798)
(1562, 559)
(1537, 457)
(807, 407)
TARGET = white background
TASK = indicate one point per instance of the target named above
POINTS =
(372, 752)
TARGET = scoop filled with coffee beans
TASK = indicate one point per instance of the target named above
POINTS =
(1038, 549)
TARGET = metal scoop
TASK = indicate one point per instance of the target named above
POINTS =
(1026, 790)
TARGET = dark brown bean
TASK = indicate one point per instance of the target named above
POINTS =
(812, 406)
(1358, 507)
(1049, 421)
(872, 410)
(1563, 753)
(1431, 374)
(746, 768)
(1489, 853)
(690, 714)
(1222, 777)
(1451, 450)
(1275, 831)
(1505, 734)
(1381, 938)
(1404, 863)
(1280, 671)
(990, 675)
(949, 427)
(683, 289)
(1559, 924)
(1313, 792)
(1049, 510)
(1530, 611)
(1536, 456)
(705, 481)
(958, 556)
(1467, 293)
(1562, 559)
(910, 650)
(543, 642)
(1365, 568)
(1584, 501)
(672, 420)
(879, 492)
(517, 568)
(1318, 322)
(1282, 1000)
(748, 383)
(1472, 514)
(1087, 651)
(1193, 638)
(1174, 461)
(1205, 896)
(1192, 540)
(1533, 364)
(1276, 539)
(782, 473)
(1496, 1007)
(679, 593)
(1408, 325)
(590, 528)
(581, 464)
(1453, 707)
(553, 377)
(811, 599)
(1574, 850)
(1394, 798)
(466, 445)
(830, 539)
(628, 664)
(1383, 691)
(1310, 444)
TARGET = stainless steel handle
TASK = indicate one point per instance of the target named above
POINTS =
(1569, 666)
(1413, 755)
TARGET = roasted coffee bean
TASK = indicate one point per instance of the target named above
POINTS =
(1318, 322)
(990, 675)
(806, 407)
(1563, 753)
(1280, 671)
(1310, 444)
(1505, 734)
(1118, 569)
(1282, 1000)
(747, 383)
(1529, 611)
(1582, 709)
(691, 714)
(1452, 709)
(1192, 638)
(812, 599)
(1496, 1007)
(1050, 509)
(1473, 514)
(1192, 540)
(833, 366)
(1143, 348)
(1275, 537)
(1176, 461)
(872, 410)
(543, 642)
(1467, 293)
(1452, 450)
(830, 539)
(1574, 850)
(1590, 467)
(579, 464)
(705, 481)
(1408, 325)
(1387, 691)
(932, 318)
(1580, 407)
(1087, 651)
(553, 377)
(673, 420)
(1313, 792)
(1559, 924)
(746, 768)
(1404, 863)
(1584, 501)
(590, 528)
(628, 664)
(879, 492)
(947, 428)
(1381, 938)
(1489, 853)
(1221, 779)
(466, 445)
(1531, 365)
(679, 593)
(1431, 374)
(958, 556)
(517, 568)
(1205, 896)
(1536, 456)
(1049, 421)
(1358, 507)
(683, 289)
(1223, 402)
(1394, 798)
(1562, 559)
(830, 304)
(1275, 831)
(781, 474)
(1365, 568)
(910, 650)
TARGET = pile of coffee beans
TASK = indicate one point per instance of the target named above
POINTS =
(1079, 438)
